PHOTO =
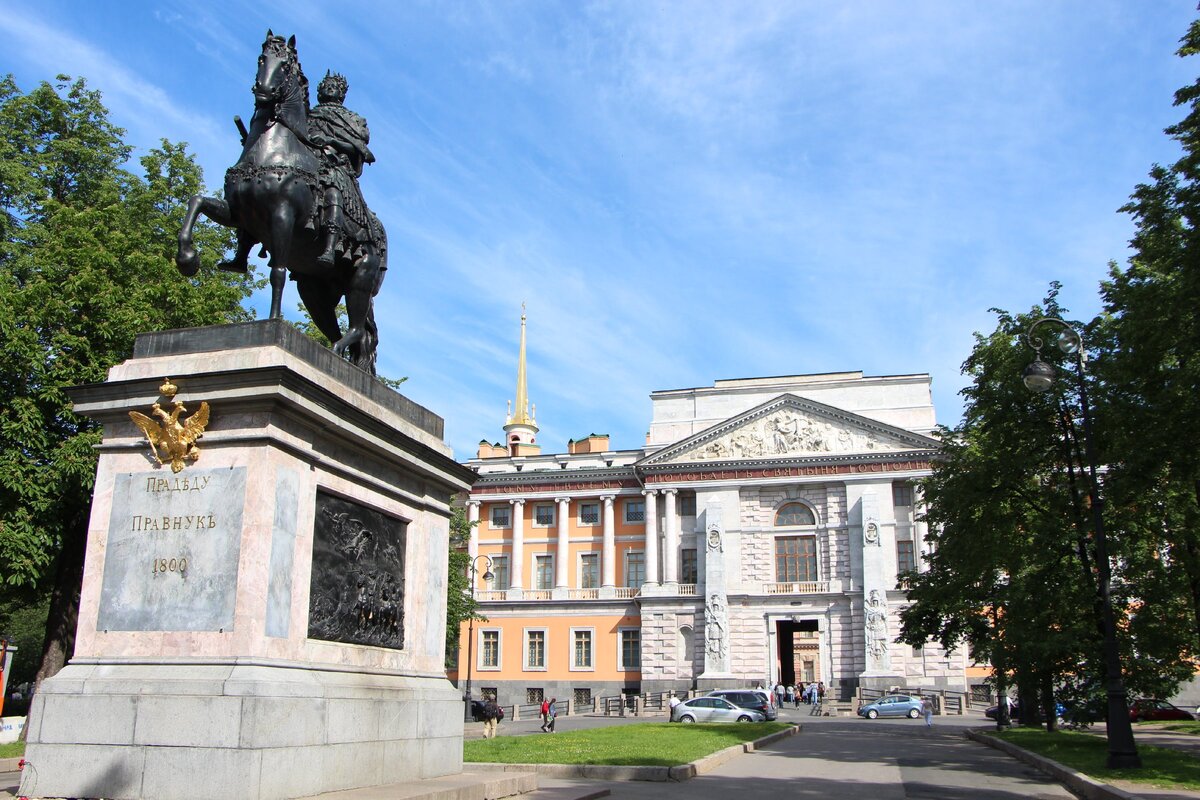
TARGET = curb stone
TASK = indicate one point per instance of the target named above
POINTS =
(10, 764)
(681, 772)
(1082, 785)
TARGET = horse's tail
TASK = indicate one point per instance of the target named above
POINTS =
(379, 239)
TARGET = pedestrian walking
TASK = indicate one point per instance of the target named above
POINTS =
(492, 714)
(789, 693)
(927, 707)
(799, 694)
(551, 715)
(544, 711)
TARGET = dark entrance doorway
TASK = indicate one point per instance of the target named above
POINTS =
(799, 651)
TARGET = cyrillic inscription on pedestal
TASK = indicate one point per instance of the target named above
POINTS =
(357, 584)
(171, 561)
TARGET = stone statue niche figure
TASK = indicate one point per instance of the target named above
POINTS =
(714, 626)
(295, 190)
(876, 630)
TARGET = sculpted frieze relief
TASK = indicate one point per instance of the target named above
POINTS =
(787, 432)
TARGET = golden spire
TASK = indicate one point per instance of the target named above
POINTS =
(521, 415)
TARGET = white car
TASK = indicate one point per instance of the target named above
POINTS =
(713, 709)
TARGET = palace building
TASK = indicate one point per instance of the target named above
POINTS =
(756, 537)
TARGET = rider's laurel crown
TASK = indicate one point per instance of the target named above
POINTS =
(332, 89)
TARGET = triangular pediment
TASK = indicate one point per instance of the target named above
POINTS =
(789, 427)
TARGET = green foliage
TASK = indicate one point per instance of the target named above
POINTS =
(86, 263)
(652, 744)
(460, 604)
(1005, 516)
(1151, 370)
(24, 619)
(1009, 507)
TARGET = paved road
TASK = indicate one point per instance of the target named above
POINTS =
(840, 757)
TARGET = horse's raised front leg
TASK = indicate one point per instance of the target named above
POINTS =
(216, 209)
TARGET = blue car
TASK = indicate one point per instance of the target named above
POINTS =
(892, 705)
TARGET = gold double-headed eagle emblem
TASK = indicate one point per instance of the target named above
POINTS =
(175, 440)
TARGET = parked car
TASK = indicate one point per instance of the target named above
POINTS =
(748, 698)
(1148, 710)
(713, 709)
(892, 705)
(1014, 711)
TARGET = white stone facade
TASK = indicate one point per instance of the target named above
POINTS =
(772, 597)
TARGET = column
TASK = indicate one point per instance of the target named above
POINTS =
(516, 570)
(920, 528)
(473, 523)
(671, 548)
(562, 558)
(651, 496)
(608, 556)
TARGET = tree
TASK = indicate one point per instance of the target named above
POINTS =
(85, 265)
(460, 601)
(1003, 530)
(1151, 368)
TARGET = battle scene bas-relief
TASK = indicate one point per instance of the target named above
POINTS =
(357, 584)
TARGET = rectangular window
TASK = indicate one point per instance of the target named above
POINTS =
(535, 649)
(635, 568)
(489, 649)
(795, 559)
(489, 692)
(902, 494)
(583, 697)
(631, 648)
(635, 511)
(581, 654)
(904, 556)
(500, 579)
(535, 694)
(589, 513)
(687, 505)
(687, 566)
(502, 516)
(543, 572)
(543, 515)
(589, 571)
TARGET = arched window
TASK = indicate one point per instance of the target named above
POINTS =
(794, 514)
(684, 646)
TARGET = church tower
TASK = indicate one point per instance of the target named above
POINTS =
(520, 429)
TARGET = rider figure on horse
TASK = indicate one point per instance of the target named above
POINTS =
(341, 137)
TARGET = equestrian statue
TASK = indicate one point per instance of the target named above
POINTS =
(295, 191)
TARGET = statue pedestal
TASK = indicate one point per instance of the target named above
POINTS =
(268, 622)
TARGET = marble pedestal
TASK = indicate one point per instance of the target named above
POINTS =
(216, 655)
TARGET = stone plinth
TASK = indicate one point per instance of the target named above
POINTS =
(268, 622)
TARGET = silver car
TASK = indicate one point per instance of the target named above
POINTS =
(713, 709)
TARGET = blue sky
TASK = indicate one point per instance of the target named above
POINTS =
(680, 192)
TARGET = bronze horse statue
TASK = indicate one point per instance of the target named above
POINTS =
(273, 196)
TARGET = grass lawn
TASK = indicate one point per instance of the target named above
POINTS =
(1087, 753)
(1179, 726)
(12, 750)
(651, 744)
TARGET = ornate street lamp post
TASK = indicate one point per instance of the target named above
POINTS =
(1038, 377)
(487, 576)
